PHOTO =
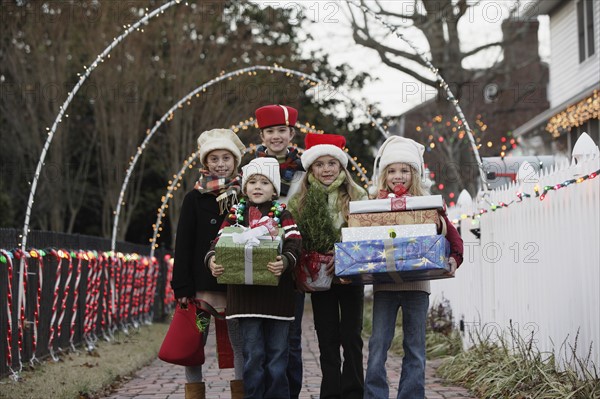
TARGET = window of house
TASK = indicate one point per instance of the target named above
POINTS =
(585, 29)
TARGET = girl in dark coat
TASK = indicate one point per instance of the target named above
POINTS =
(202, 213)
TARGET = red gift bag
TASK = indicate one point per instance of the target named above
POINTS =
(183, 344)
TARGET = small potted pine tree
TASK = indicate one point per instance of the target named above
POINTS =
(318, 238)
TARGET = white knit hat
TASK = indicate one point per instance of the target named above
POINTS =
(220, 139)
(398, 149)
(266, 166)
(318, 145)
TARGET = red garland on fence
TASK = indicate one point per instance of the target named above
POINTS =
(54, 307)
(18, 255)
(63, 306)
(128, 282)
(75, 301)
(7, 257)
(169, 293)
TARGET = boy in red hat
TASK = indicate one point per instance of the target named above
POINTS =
(276, 124)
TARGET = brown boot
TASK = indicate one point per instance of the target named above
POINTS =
(237, 389)
(195, 390)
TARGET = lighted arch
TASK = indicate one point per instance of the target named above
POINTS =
(197, 92)
(63, 108)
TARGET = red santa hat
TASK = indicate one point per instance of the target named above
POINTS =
(317, 145)
(276, 115)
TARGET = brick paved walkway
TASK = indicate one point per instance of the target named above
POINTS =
(161, 380)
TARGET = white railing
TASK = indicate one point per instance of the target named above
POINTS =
(536, 265)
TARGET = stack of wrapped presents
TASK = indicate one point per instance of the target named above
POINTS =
(393, 240)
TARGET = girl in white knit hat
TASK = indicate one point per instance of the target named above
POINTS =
(399, 170)
(338, 312)
(202, 212)
(264, 313)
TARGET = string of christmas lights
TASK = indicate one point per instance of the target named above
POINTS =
(437, 133)
(536, 194)
(575, 115)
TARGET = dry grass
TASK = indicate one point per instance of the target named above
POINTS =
(88, 375)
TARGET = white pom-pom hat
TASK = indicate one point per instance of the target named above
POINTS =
(266, 166)
(398, 149)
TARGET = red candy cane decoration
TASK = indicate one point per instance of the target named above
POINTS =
(151, 284)
(106, 317)
(87, 320)
(95, 297)
(75, 303)
(38, 301)
(138, 284)
(19, 254)
(55, 305)
(9, 311)
(169, 293)
(63, 306)
(114, 290)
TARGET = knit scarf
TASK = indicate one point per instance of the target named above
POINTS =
(287, 166)
(226, 189)
(332, 196)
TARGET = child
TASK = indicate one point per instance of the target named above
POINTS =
(338, 312)
(202, 212)
(276, 124)
(400, 162)
(264, 312)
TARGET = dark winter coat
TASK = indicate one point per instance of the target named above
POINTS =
(199, 223)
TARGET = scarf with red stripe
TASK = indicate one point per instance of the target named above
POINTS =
(226, 189)
(287, 167)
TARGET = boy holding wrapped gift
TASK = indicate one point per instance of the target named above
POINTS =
(276, 124)
(264, 312)
(399, 170)
(338, 311)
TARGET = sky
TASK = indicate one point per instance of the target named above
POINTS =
(395, 92)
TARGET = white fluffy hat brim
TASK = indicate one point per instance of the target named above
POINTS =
(310, 156)
(220, 139)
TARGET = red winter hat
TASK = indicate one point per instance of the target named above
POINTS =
(276, 115)
(317, 145)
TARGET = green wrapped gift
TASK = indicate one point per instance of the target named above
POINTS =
(247, 263)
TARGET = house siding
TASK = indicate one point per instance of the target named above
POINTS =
(568, 76)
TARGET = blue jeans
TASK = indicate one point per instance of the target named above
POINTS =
(265, 357)
(414, 316)
(294, 369)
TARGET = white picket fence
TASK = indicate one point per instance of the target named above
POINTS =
(537, 264)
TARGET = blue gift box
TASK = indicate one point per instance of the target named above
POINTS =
(393, 260)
